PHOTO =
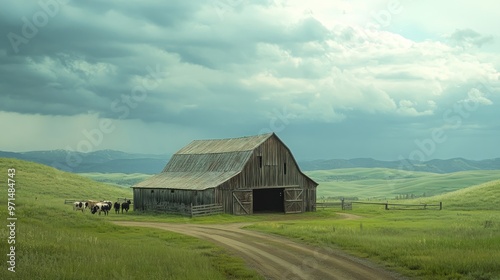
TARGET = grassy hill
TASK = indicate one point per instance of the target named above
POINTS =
(119, 179)
(382, 183)
(37, 181)
(54, 242)
(485, 196)
(459, 242)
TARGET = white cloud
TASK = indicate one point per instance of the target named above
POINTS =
(476, 96)
(324, 61)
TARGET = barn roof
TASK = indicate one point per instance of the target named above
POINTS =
(204, 164)
(248, 143)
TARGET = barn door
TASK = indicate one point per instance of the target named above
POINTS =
(294, 200)
(242, 202)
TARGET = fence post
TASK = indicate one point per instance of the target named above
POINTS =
(440, 205)
(387, 206)
(343, 204)
(191, 210)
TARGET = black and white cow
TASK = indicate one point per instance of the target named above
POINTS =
(117, 207)
(109, 203)
(126, 206)
(79, 205)
(101, 207)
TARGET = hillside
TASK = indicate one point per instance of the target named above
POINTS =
(52, 241)
(382, 183)
(434, 166)
(37, 181)
(105, 161)
(484, 196)
(119, 179)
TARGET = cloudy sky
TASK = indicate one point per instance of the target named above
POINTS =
(333, 79)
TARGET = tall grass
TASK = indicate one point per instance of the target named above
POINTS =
(460, 242)
(55, 242)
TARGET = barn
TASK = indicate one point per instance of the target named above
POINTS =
(245, 175)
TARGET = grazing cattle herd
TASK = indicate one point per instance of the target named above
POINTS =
(103, 206)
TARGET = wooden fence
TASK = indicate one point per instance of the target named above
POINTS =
(401, 206)
(188, 209)
(344, 205)
(205, 210)
(347, 205)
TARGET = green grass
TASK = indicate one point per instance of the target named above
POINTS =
(381, 183)
(118, 179)
(55, 242)
(485, 196)
(450, 244)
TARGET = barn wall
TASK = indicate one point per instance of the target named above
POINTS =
(266, 168)
(270, 165)
(147, 198)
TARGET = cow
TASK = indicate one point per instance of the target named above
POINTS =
(109, 203)
(126, 206)
(117, 207)
(78, 205)
(101, 207)
(91, 204)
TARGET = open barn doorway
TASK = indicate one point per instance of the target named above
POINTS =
(268, 200)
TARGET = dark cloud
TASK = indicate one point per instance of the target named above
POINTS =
(230, 68)
(468, 38)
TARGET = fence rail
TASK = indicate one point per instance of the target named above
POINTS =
(205, 210)
(401, 206)
(347, 205)
(188, 209)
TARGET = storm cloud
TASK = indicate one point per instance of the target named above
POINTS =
(359, 80)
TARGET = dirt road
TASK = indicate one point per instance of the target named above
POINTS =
(275, 257)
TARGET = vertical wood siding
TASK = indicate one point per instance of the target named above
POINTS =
(265, 168)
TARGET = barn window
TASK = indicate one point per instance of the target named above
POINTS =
(152, 191)
(284, 168)
(260, 161)
(171, 191)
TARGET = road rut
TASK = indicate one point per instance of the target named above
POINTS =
(276, 257)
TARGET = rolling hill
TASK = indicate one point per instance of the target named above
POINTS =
(103, 161)
(383, 183)
(434, 166)
(484, 196)
(37, 181)
(110, 161)
(52, 241)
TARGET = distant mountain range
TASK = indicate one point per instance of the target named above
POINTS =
(110, 161)
(103, 161)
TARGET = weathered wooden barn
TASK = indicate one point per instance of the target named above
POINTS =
(245, 175)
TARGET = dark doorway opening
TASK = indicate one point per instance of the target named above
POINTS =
(268, 200)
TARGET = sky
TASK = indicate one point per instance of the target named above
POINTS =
(344, 79)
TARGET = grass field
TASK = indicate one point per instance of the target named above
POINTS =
(55, 242)
(381, 183)
(460, 242)
(363, 183)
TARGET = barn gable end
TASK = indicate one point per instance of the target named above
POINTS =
(244, 175)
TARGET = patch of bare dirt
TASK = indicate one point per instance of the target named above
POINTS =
(276, 257)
